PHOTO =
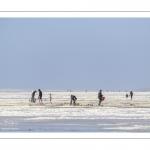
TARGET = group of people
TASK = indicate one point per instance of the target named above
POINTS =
(131, 95)
(33, 100)
(72, 98)
(100, 97)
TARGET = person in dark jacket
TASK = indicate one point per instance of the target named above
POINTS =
(100, 97)
(50, 98)
(73, 98)
(131, 94)
(40, 96)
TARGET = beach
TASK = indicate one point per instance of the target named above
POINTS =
(118, 113)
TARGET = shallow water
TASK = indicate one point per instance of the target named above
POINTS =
(116, 115)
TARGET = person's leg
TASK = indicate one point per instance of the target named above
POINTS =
(71, 102)
(32, 99)
(40, 99)
(131, 100)
(99, 102)
(74, 102)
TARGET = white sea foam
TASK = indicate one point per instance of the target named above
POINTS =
(115, 107)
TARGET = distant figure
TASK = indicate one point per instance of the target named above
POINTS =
(126, 95)
(73, 98)
(100, 97)
(131, 94)
(40, 96)
(32, 96)
(50, 98)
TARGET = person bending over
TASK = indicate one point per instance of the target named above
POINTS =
(73, 98)
(32, 96)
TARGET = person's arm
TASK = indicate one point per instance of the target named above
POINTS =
(98, 95)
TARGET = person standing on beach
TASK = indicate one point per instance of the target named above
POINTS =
(131, 94)
(73, 98)
(126, 95)
(100, 97)
(40, 96)
(50, 98)
(32, 96)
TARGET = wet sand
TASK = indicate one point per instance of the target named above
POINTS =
(86, 116)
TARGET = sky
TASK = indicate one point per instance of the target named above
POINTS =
(75, 53)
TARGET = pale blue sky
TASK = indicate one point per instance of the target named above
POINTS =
(74, 53)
